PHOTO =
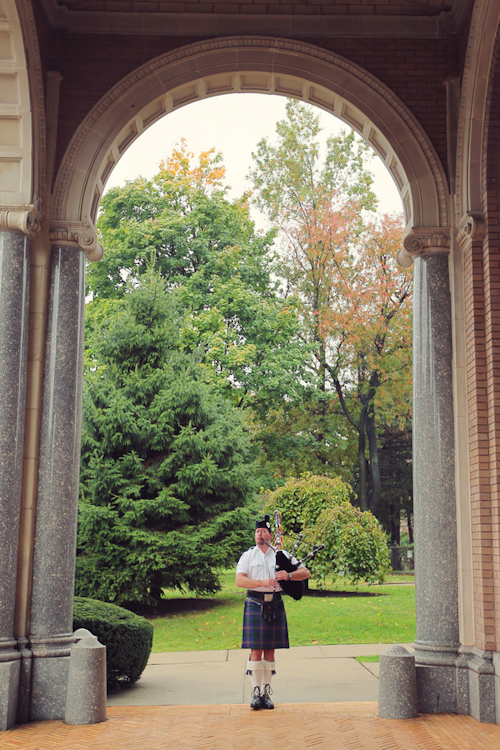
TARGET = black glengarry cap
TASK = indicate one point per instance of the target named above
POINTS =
(264, 524)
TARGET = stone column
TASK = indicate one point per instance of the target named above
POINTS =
(436, 575)
(51, 606)
(14, 303)
(51, 623)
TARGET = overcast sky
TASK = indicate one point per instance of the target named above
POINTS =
(234, 124)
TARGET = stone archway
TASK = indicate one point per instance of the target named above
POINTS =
(167, 82)
(329, 81)
(254, 65)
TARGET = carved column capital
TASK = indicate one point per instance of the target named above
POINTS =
(470, 227)
(27, 221)
(423, 240)
(80, 234)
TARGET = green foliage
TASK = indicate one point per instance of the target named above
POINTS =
(354, 303)
(301, 501)
(287, 174)
(166, 462)
(355, 545)
(128, 638)
(219, 272)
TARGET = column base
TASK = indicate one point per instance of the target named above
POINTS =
(467, 684)
(436, 677)
(9, 688)
(482, 686)
(496, 667)
(462, 677)
(436, 689)
(49, 677)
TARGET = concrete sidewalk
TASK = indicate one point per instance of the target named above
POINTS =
(306, 674)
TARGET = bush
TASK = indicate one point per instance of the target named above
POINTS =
(355, 545)
(301, 501)
(319, 507)
(128, 638)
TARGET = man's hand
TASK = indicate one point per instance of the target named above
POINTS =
(281, 575)
(271, 583)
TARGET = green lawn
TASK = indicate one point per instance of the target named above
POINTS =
(343, 614)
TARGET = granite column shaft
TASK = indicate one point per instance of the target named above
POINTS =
(51, 623)
(436, 577)
(14, 308)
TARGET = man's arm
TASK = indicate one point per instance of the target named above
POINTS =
(301, 574)
(244, 582)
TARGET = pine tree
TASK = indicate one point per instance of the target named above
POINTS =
(166, 474)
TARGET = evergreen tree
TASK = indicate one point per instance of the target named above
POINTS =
(166, 475)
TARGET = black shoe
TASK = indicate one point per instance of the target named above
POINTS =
(256, 702)
(265, 700)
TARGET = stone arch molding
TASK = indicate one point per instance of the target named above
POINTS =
(484, 31)
(254, 64)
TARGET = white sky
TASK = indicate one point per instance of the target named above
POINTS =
(233, 124)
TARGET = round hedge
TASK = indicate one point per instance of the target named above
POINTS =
(128, 638)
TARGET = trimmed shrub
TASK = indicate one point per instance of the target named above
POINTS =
(128, 638)
(302, 500)
(319, 507)
(355, 546)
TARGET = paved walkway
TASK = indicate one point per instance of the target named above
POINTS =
(305, 674)
(199, 701)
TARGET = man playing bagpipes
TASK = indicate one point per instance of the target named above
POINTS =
(264, 620)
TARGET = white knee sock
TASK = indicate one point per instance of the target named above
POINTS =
(269, 668)
(255, 670)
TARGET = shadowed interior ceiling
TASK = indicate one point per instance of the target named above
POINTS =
(330, 18)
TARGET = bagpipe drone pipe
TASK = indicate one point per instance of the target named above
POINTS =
(295, 589)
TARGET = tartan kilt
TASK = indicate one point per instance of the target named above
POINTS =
(260, 634)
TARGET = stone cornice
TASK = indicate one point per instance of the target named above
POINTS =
(27, 221)
(470, 227)
(218, 24)
(424, 240)
(79, 234)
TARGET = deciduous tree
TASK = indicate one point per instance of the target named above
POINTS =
(354, 303)
(220, 273)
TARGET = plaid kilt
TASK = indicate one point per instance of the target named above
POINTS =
(260, 634)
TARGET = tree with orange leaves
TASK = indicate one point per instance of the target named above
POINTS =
(218, 270)
(355, 304)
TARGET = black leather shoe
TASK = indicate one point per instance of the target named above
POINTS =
(265, 700)
(256, 702)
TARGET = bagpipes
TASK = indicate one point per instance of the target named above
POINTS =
(295, 589)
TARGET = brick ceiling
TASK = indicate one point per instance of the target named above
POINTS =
(281, 18)
(330, 7)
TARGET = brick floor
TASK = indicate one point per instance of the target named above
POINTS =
(298, 726)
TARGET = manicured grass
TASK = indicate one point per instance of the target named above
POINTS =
(365, 659)
(342, 614)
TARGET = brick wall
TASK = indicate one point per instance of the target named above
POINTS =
(490, 552)
(482, 316)
(90, 65)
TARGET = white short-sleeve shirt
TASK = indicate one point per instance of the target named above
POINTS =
(259, 566)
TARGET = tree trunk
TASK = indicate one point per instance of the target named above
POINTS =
(410, 529)
(395, 525)
(363, 500)
(374, 462)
